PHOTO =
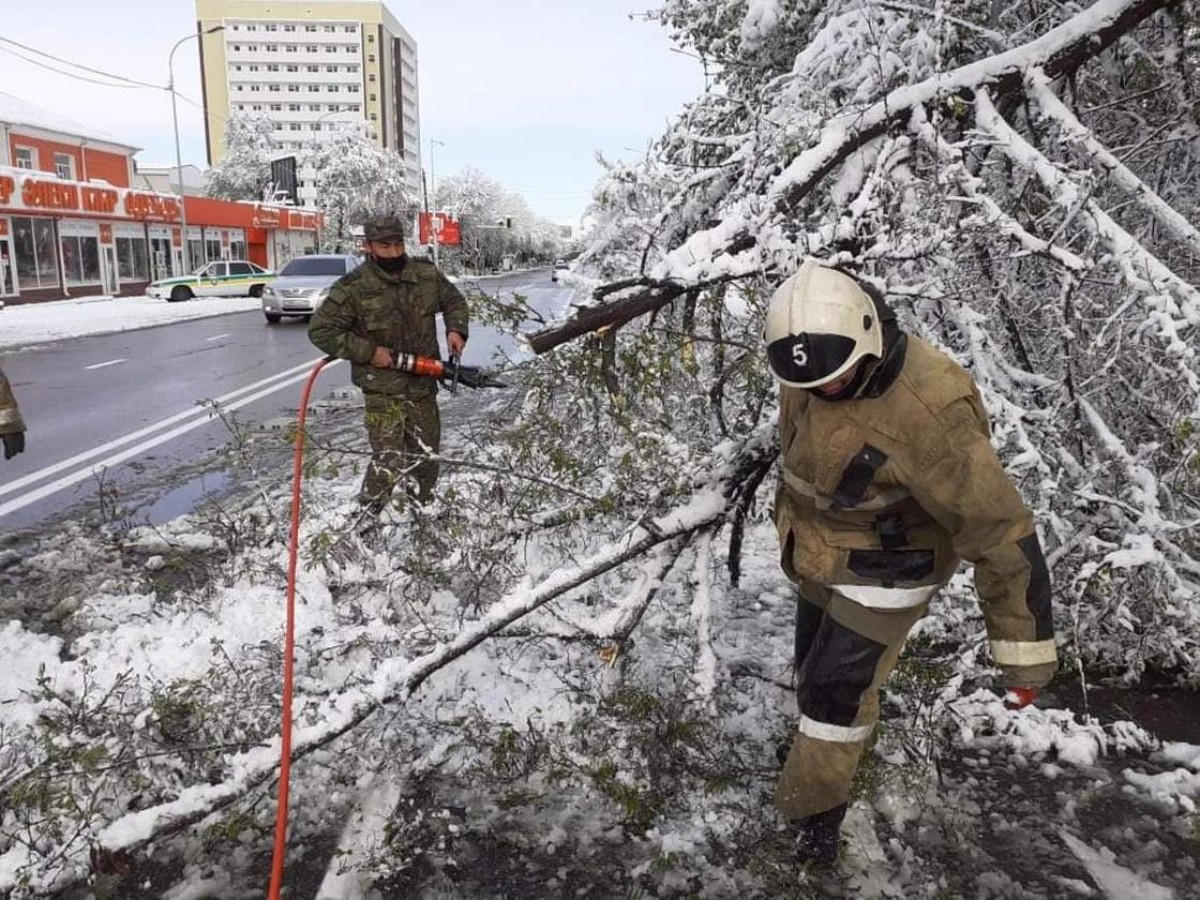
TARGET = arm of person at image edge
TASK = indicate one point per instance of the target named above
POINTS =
(332, 327)
(12, 426)
(962, 484)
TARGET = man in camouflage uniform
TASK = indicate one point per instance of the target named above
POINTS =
(384, 307)
(889, 480)
(12, 426)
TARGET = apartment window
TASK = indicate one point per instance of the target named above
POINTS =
(354, 88)
(371, 77)
(289, 27)
(374, 117)
(252, 28)
(253, 68)
(351, 68)
(314, 107)
(333, 107)
(293, 88)
(235, 27)
(371, 97)
(274, 88)
(331, 68)
(257, 107)
(276, 107)
(255, 88)
(370, 38)
(331, 48)
(330, 28)
(237, 47)
(253, 48)
(26, 158)
(294, 107)
(316, 126)
(314, 88)
(273, 67)
(312, 68)
(310, 48)
(294, 126)
(270, 28)
(310, 28)
(238, 88)
(333, 88)
(272, 48)
(33, 246)
(290, 48)
(291, 68)
(355, 107)
(351, 29)
(371, 57)
(237, 68)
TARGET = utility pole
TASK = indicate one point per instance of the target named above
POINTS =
(433, 232)
(178, 156)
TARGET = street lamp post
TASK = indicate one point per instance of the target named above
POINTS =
(433, 232)
(175, 124)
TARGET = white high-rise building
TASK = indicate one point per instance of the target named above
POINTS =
(308, 67)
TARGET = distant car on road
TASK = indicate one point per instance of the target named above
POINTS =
(228, 278)
(560, 265)
(303, 284)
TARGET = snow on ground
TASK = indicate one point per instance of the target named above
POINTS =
(532, 766)
(37, 323)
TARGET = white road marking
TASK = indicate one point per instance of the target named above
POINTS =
(199, 416)
(217, 337)
(103, 365)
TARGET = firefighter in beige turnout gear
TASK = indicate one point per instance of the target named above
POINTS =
(12, 426)
(888, 481)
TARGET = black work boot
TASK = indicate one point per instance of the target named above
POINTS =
(820, 837)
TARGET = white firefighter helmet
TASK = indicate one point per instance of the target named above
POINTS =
(820, 322)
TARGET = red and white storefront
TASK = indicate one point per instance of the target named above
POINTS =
(62, 238)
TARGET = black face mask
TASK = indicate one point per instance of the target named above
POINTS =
(393, 265)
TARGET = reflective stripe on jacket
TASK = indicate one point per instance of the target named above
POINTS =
(369, 308)
(882, 496)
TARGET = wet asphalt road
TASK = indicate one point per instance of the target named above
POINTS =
(129, 415)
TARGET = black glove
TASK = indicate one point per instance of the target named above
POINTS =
(13, 444)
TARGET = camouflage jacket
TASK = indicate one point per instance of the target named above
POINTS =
(880, 498)
(369, 308)
(10, 416)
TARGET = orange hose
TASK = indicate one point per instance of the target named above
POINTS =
(289, 643)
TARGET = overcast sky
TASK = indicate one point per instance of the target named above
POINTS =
(526, 90)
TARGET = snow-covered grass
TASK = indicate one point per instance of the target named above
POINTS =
(36, 323)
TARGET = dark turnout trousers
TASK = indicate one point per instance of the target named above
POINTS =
(844, 653)
(403, 432)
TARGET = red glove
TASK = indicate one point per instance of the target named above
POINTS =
(1019, 697)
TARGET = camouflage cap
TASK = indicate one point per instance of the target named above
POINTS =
(384, 228)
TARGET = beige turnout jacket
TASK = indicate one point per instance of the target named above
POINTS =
(881, 497)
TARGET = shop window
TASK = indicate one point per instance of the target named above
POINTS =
(133, 263)
(81, 259)
(37, 260)
(26, 158)
(212, 247)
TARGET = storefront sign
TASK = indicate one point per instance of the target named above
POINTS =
(106, 234)
(31, 193)
(267, 217)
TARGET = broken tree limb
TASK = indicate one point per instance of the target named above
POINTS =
(394, 682)
(1059, 53)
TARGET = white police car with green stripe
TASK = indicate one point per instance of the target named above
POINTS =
(232, 278)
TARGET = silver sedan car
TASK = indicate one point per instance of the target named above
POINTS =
(303, 284)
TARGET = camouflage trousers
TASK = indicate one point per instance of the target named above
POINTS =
(844, 653)
(403, 433)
